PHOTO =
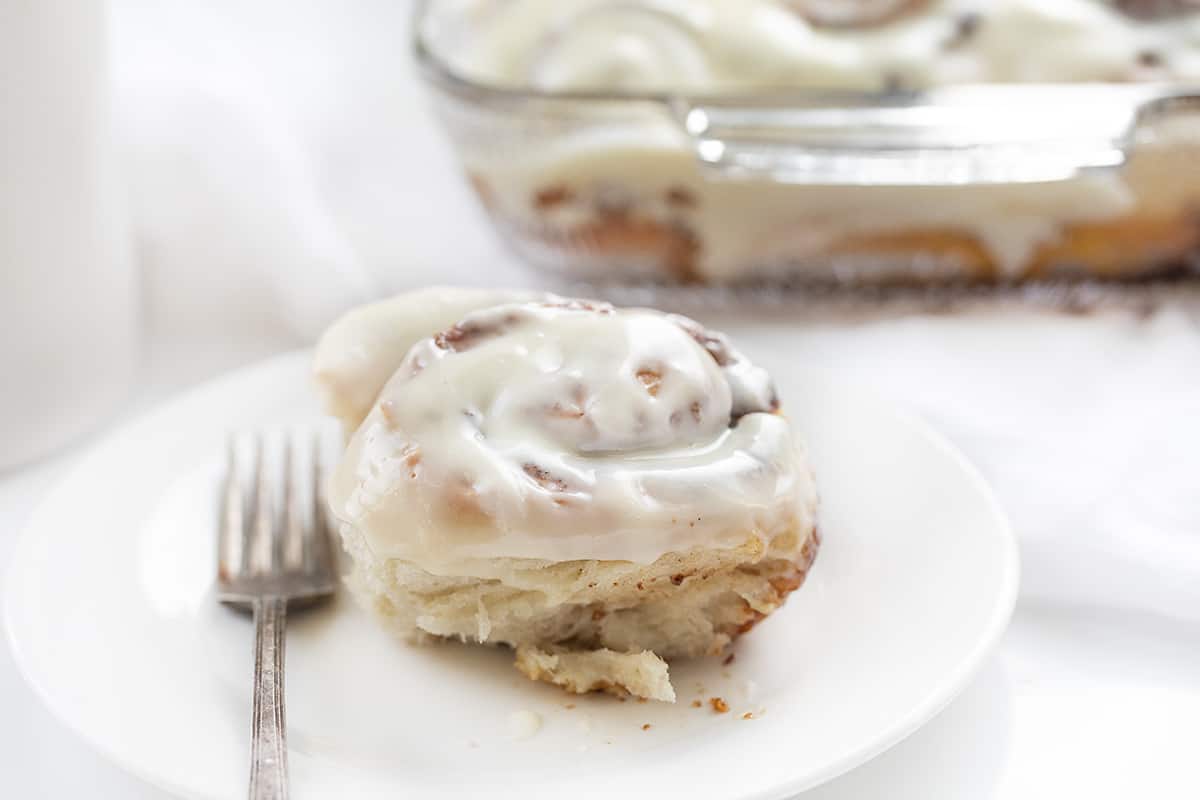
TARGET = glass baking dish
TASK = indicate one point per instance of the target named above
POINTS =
(983, 183)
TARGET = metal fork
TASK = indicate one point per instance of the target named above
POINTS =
(266, 562)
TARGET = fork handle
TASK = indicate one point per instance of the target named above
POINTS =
(268, 747)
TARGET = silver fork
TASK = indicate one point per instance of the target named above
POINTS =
(266, 562)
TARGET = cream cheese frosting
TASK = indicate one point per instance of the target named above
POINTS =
(359, 352)
(726, 45)
(562, 430)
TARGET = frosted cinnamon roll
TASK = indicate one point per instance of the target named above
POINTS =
(601, 489)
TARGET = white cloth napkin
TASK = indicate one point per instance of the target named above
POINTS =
(283, 165)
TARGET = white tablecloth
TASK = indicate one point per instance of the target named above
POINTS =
(282, 165)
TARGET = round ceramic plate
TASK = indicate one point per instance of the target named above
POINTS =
(111, 615)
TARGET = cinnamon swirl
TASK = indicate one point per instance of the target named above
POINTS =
(602, 489)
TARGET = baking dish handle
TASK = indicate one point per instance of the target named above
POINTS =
(944, 137)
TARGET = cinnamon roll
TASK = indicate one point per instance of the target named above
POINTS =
(601, 489)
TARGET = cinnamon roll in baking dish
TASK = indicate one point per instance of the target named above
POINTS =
(602, 489)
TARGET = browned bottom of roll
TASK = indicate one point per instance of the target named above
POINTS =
(592, 625)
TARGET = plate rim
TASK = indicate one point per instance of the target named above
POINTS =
(952, 686)
(987, 641)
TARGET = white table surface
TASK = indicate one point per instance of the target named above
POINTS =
(1095, 690)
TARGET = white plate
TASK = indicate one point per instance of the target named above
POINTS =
(112, 620)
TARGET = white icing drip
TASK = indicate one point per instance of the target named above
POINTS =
(564, 432)
(755, 222)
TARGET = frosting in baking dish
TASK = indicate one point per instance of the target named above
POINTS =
(755, 225)
(712, 45)
(743, 223)
(563, 430)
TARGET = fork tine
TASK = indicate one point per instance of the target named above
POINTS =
(319, 559)
(231, 541)
(262, 539)
(293, 523)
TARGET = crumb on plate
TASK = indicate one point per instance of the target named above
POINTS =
(523, 724)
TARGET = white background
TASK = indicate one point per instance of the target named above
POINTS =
(281, 163)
